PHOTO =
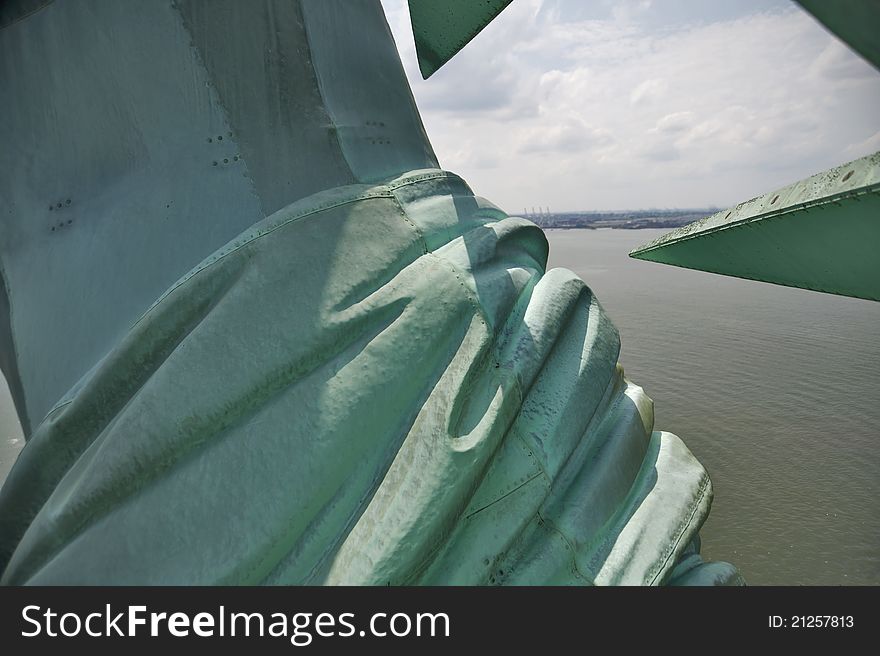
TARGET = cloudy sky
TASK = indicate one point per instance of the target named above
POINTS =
(604, 104)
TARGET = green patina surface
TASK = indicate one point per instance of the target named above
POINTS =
(854, 21)
(441, 29)
(269, 341)
(820, 233)
(416, 401)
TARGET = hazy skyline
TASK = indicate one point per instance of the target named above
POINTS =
(636, 104)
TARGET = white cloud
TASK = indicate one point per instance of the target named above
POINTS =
(647, 91)
(608, 105)
(570, 135)
(866, 147)
(675, 122)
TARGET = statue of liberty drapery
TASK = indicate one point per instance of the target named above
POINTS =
(255, 334)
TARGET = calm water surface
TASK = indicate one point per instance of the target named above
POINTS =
(776, 390)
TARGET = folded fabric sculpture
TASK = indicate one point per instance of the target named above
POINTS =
(377, 384)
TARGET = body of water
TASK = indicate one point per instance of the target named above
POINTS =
(776, 390)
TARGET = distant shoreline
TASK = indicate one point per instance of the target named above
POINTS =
(622, 220)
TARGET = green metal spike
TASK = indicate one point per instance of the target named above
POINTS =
(443, 27)
(857, 22)
(822, 233)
